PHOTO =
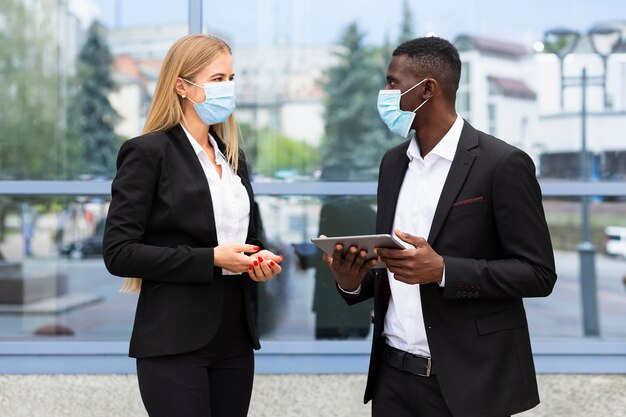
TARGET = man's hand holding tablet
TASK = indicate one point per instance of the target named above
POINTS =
(350, 257)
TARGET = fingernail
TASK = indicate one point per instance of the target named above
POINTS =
(271, 263)
(282, 257)
(260, 259)
(256, 248)
(250, 267)
(256, 263)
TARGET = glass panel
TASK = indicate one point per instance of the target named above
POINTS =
(303, 302)
(52, 278)
(313, 92)
(307, 107)
(77, 79)
(561, 313)
(53, 281)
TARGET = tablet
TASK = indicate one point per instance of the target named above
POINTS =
(365, 242)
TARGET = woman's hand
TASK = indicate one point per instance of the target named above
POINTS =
(232, 258)
(265, 266)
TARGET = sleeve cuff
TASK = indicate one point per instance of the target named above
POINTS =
(355, 292)
(442, 283)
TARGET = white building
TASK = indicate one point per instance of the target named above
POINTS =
(136, 81)
(280, 87)
(494, 93)
(514, 93)
(147, 42)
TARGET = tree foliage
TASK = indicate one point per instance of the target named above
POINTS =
(96, 116)
(356, 138)
(29, 138)
(276, 152)
(406, 28)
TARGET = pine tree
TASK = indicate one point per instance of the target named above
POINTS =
(96, 115)
(356, 137)
(406, 28)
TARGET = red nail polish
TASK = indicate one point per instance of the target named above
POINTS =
(260, 259)
(271, 263)
(256, 248)
(256, 263)
(250, 267)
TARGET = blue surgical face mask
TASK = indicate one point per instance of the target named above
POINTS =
(397, 120)
(218, 104)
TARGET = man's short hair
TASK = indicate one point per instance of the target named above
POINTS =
(434, 57)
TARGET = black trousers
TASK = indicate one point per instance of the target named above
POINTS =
(215, 381)
(401, 394)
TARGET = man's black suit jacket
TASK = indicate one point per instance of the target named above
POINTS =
(161, 228)
(490, 228)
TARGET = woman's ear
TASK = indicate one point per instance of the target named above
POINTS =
(181, 87)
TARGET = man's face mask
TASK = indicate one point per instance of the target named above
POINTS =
(398, 121)
(218, 104)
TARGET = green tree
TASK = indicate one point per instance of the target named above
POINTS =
(96, 115)
(277, 152)
(249, 142)
(356, 137)
(29, 135)
(406, 28)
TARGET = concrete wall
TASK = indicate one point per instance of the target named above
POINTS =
(281, 396)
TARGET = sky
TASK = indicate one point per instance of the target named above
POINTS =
(320, 22)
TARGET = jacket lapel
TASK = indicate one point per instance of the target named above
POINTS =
(389, 188)
(204, 198)
(461, 165)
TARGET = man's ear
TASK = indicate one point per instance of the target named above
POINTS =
(430, 88)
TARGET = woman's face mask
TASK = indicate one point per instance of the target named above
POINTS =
(397, 120)
(218, 104)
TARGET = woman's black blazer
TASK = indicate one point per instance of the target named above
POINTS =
(161, 228)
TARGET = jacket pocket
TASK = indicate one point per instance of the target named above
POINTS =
(502, 320)
(471, 205)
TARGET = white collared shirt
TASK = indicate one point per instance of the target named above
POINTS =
(421, 189)
(231, 204)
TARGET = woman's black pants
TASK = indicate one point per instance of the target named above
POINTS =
(214, 381)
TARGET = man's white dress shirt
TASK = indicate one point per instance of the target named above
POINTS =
(420, 192)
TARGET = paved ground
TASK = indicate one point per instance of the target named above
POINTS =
(281, 396)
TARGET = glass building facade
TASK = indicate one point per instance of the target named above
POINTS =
(77, 80)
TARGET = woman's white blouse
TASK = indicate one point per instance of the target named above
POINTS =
(231, 204)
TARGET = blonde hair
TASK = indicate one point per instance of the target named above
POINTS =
(185, 59)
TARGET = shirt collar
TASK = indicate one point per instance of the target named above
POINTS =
(198, 149)
(446, 148)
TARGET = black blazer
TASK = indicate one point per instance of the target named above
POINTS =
(160, 227)
(490, 227)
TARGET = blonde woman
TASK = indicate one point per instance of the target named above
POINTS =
(180, 222)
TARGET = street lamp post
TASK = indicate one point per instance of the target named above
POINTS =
(561, 42)
(586, 249)
(604, 41)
